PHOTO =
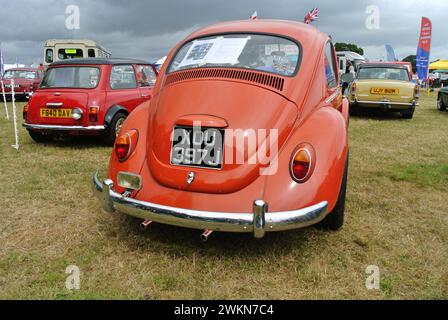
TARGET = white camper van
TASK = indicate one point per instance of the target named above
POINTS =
(62, 49)
(353, 57)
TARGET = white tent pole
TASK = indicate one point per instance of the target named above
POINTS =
(4, 100)
(14, 114)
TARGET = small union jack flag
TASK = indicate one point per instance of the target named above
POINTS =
(311, 16)
(253, 16)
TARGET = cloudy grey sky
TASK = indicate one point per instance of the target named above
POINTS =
(149, 28)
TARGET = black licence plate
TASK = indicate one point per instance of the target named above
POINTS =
(197, 147)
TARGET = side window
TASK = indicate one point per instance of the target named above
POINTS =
(123, 77)
(330, 66)
(49, 56)
(91, 53)
(64, 54)
(146, 76)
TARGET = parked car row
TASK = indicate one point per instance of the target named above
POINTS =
(245, 129)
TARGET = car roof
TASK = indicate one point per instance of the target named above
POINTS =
(382, 65)
(21, 69)
(98, 61)
(350, 54)
(303, 33)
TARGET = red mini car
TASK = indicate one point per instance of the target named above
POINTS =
(247, 132)
(88, 96)
(26, 81)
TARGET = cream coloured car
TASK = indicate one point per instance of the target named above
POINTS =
(385, 86)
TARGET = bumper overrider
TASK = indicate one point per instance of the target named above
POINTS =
(259, 221)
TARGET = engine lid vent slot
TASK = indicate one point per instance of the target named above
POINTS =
(225, 73)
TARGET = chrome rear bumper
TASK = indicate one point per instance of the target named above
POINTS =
(259, 221)
(62, 128)
(387, 102)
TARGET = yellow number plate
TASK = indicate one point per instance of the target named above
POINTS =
(384, 91)
(55, 113)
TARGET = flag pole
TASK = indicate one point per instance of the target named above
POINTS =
(14, 114)
(4, 100)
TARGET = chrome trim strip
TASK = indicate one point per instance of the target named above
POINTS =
(333, 96)
(54, 104)
(62, 128)
(388, 102)
(258, 222)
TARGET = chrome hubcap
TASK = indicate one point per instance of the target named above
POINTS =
(118, 126)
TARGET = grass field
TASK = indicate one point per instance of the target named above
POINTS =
(396, 218)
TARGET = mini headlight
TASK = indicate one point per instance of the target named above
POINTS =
(76, 114)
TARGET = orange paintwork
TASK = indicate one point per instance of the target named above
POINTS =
(305, 111)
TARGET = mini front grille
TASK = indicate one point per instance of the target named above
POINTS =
(250, 76)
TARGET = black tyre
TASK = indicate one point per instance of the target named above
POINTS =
(335, 219)
(354, 109)
(40, 137)
(407, 114)
(114, 129)
(440, 105)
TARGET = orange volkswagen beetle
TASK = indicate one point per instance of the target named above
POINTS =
(246, 132)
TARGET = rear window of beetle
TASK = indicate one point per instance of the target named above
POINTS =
(273, 54)
(71, 77)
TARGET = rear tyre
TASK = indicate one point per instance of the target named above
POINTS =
(335, 219)
(440, 105)
(354, 109)
(407, 114)
(40, 137)
(114, 128)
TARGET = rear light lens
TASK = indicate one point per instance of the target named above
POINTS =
(416, 90)
(93, 114)
(302, 163)
(25, 112)
(353, 89)
(125, 145)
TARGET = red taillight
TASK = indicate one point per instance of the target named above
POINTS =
(93, 114)
(416, 90)
(353, 89)
(302, 163)
(125, 144)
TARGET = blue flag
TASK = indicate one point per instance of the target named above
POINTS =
(424, 45)
(390, 53)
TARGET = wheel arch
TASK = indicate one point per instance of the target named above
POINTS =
(111, 112)
(326, 131)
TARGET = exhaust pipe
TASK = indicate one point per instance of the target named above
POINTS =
(206, 235)
(145, 224)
